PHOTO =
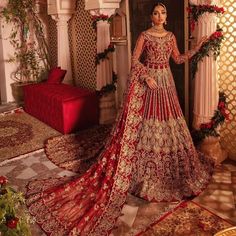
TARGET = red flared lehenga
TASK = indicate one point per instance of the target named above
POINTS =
(149, 154)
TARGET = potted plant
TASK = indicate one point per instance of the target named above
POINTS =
(28, 40)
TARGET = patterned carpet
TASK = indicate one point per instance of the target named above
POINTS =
(77, 152)
(21, 133)
(189, 219)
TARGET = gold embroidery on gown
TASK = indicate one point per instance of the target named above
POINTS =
(149, 154)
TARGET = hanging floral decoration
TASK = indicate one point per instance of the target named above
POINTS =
(210, 128)
(109, 87)
(102, 17)
(13, 219)
(213, 45)
(104, 55)
(195, 11)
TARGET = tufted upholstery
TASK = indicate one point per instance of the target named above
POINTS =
(63, 107)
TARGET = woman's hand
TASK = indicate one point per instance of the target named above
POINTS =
(201, 42)
(152, 84)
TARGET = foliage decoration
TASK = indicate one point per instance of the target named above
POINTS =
(102, 17)
(109, 87)
(104, 55)
(28, 40)
(195, 11)
(210, 128)
(13, 219)
(212, 45)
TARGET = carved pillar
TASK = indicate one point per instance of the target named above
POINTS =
(122, 68)
(61, 11)
(120, 56)
(206, 94)
(104, 68)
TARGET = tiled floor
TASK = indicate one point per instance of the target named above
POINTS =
(219, 197)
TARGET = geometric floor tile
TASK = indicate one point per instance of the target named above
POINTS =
(6, 169)
(219, 197)
(129, 214)
(30, 161)
(27, 173)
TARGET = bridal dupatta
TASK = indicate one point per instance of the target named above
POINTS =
(91, 204)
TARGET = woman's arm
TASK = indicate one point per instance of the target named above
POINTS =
(181, 58)
(138, 50)
(138, 67)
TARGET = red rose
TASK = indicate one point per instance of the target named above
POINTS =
(216, 35)
(208, 125)
(12, 223)
(227, 116)
(203, 126)
(3, 180)
(189, 10)
(104, 17)
(192, 25)
(221, 105)
(222, 10)
(220, 34)
(111, 46)
(212, 122)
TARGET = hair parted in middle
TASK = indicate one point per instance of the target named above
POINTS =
(157, 4)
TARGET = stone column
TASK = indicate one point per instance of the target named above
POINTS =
(63, 58)
(104, 71)
(104, 68)
(61, 11)
(122, 68)
(206, 93)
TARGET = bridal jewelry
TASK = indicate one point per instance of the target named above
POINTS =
(161, 30)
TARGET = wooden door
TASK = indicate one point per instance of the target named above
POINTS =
(140, 20)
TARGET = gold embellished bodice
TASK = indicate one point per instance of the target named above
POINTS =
(157, 50)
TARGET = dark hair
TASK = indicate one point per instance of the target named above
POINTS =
(157, 4)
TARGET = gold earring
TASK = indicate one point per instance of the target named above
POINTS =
(166, 22)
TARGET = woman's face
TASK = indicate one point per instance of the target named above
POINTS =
(159, 15)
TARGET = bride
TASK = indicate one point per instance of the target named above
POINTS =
(149, 153)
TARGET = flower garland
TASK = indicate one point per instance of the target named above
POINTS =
(195, 11)
(109, 87)
(104, 55)
(102, 17)
(13, 220)
(210, 128)
(213, 44)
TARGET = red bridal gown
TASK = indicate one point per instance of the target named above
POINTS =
(149, 153)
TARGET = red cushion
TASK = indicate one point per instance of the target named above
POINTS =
(56, 75)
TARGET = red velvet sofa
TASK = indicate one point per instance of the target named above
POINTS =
(64, 107)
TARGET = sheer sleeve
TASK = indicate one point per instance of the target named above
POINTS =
(180, 58)
(136, 64)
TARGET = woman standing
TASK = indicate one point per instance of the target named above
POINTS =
(150, 152)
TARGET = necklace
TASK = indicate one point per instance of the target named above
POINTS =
(162, 30)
